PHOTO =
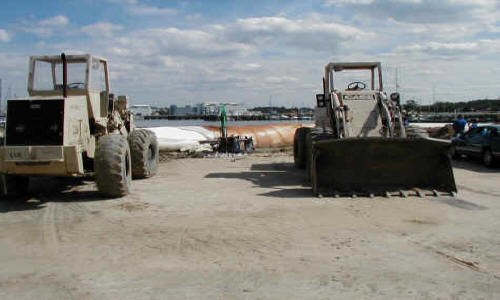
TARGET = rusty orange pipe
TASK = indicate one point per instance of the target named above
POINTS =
(264, 136)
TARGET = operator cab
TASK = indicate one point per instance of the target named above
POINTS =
(359, 73)
(71, 75)
(356, 78)
(85, 73)
(357, 110)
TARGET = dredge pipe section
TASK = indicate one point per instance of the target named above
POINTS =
(264, 136)
(190, 137)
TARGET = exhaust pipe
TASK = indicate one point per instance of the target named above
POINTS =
(65, 75)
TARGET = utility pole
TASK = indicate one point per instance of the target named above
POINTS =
(0, 95)
(433, 93)
(397, 84)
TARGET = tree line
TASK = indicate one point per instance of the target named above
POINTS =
(474, 105)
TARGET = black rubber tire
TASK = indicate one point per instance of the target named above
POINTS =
(308, 153)
(13, 187)
(313, 176)
(299, 147)
(488, 159)
(113, 166)
(145, 153)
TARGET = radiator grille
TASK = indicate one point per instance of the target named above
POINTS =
(35, 122)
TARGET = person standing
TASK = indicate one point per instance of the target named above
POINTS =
(459, 125)
(473, 124)
(406, 122)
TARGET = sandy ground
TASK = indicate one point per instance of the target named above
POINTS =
(249, 229)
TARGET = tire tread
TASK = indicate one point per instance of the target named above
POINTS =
(140, 141)
(111, 179)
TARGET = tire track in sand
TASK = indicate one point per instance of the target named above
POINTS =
(56, 216)
(50, 230)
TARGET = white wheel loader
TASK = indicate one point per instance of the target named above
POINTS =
(359, 146)
(71, 125)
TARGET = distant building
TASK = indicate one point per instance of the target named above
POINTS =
(209, 109)
(214, 108)
(141, 110)
(184, 111)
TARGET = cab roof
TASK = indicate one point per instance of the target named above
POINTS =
(75, 58)
(354, 66)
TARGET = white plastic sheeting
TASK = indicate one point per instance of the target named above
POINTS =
(188, 138)
(429, 125)
(435, 125)
(185, 138)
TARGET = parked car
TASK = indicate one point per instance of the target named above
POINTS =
(481, 142)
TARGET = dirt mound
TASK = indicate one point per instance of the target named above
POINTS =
(445, 132)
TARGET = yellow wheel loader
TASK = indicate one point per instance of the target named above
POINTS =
(72, 125)
(359, 145)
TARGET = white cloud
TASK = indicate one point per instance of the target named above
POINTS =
(179, 42)
(244, 38)
(281, 79)
(311, 34)
(123, 1)
(483, 48)
(340, 2)
(145, 10)
(475, 2)
(4, 36)
(101, 29)
(442, 31)
(222, 60)
(491, 46)
(249, 59)
(46, 27)
(363, 2)
(13, 71)
(247, 67)
(439, 48)
(55, 21)
(423, 11)
(42, 32)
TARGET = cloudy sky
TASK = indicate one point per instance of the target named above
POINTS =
(257, 52)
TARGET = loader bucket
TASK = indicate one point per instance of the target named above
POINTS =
(381, 166)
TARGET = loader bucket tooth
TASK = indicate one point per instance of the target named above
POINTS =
(420, 193)
(364, 166)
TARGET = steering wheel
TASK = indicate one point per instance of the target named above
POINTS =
(356, 85)
(76, 85)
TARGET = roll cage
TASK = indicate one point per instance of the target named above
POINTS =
(83, 87)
